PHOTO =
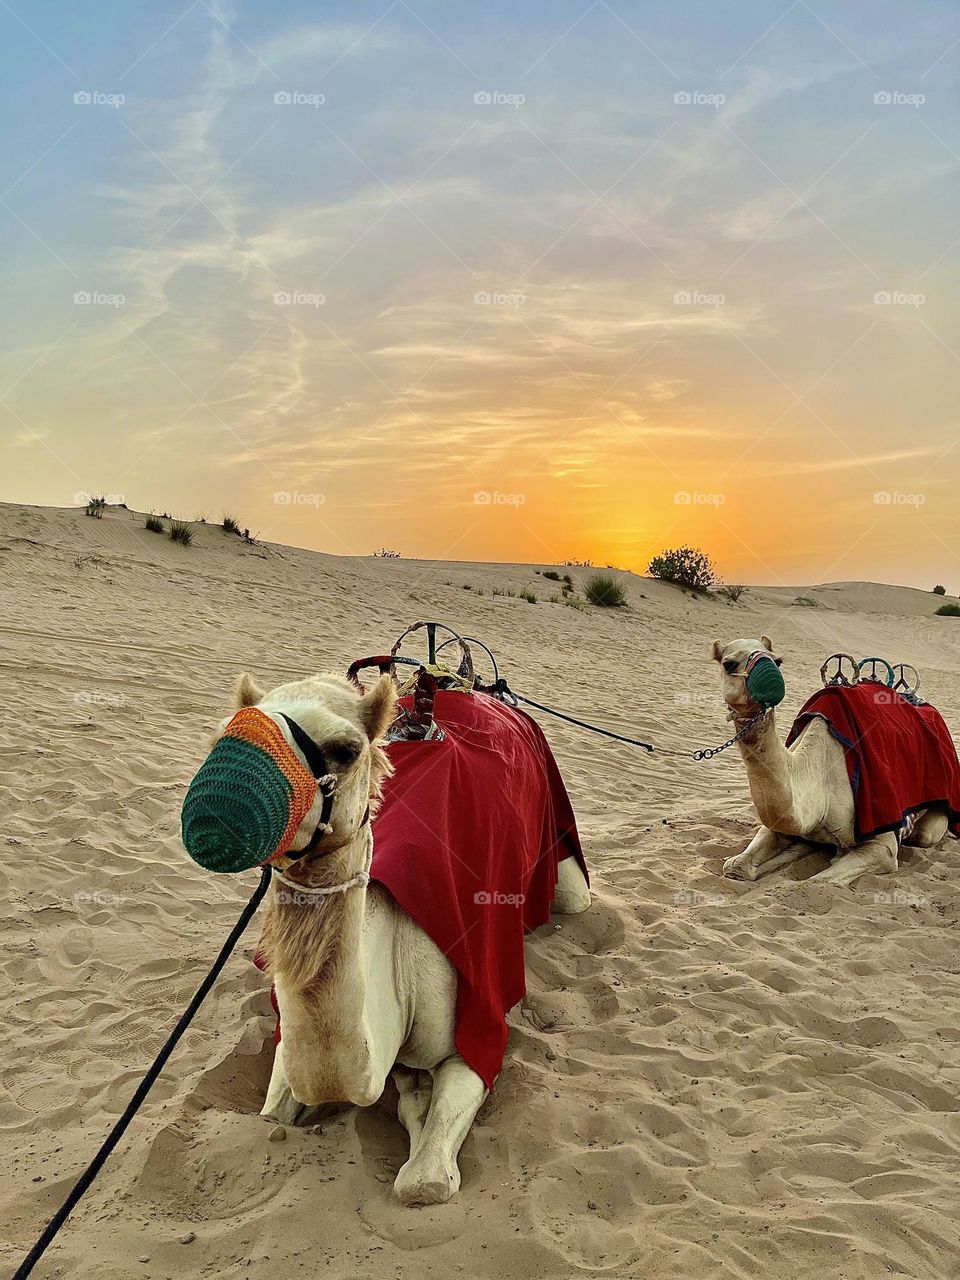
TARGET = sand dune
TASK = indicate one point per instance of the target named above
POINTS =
(706, 1079)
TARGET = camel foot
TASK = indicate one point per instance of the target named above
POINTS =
(282, 1107)
(739, 867)
(422, 1182)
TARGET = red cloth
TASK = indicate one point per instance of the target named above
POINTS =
(900, 757)
(467, 841)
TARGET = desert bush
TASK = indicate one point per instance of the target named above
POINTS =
(95, 508)
(382, 553)
(950, 610)
(552, 575)
(229, 525)
(528, 595)
(731, 591)
(805, 602)
(181, 532)
(577, 564)
(604, 590)
(576, 603)
(685, 566)
(153, 523)
(939, 590)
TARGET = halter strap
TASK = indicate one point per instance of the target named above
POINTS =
(327, 785)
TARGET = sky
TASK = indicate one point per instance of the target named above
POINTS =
(493, 282)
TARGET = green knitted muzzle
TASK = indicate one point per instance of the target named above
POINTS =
(248, 799)
(765, 683)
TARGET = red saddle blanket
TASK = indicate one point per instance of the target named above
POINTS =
(468, 840)
(900, 757)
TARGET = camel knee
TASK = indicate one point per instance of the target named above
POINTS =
(572, 893)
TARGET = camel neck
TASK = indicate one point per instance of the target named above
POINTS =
(767, 762)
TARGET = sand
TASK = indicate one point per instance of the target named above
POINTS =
(706, 1079)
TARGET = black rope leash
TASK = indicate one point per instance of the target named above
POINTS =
(145, 1085)
(501, 688)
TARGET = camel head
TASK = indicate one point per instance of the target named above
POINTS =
(750, 676)
(293, 770)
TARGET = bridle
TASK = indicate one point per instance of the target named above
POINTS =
(327, 783)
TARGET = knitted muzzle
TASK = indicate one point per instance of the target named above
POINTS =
(764, 681)
(247, 802)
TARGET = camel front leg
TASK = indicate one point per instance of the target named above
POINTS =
(431, 1175)
(766, 852)
(572, 894)
(416, 1090)
(878, 855)
(280, 1104)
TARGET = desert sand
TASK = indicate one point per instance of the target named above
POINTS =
(706, 1079)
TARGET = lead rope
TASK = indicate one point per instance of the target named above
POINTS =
(145, 1085)
(500, 687)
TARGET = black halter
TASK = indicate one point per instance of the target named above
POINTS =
(326, 782)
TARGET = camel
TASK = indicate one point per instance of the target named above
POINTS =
(802, 793)
(363, 992)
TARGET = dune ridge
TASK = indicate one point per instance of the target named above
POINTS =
(706, 1078)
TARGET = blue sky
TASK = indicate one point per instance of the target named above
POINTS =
(644, 273)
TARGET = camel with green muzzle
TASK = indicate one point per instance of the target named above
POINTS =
(363, 992)
(802, 793)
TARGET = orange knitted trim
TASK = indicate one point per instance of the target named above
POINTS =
(254, 726)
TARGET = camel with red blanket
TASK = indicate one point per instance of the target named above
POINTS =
(863, 770)
(475, 839)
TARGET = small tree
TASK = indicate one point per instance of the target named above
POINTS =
(732, 591)
(938, 590)
(686, 566)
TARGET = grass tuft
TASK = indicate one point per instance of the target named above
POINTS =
(604, 590)
(154, 524)
(181, 532)
(950, 610)
(230, 525)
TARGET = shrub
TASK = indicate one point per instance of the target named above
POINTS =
(604, 590)
(528, 595)
(552, 575)
(95, 508)
(805, 602)
(938, 590)
(229, 525)
(382, 553)
(153, 523)
(248, 538)
(950, 610)
(181, 532)
(686, 566)
(732, 591)
(576, 603)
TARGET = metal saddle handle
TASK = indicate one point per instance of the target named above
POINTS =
(904, 683)
(465, 669)
(872, 678)
(838, 677)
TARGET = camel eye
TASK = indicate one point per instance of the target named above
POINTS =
(343, 753)
(730, 666)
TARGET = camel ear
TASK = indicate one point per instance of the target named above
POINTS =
(378, 708)
(248, 693)
(767, 643)
(717, 651)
